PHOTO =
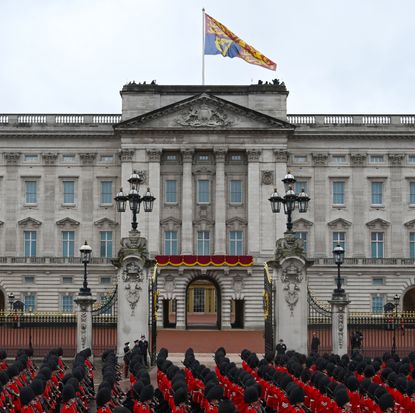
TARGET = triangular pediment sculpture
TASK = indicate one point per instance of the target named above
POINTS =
(67, 221)
(339, 223)
(377, 223)
(410, 224)
(29, 221)
(105, 221)
(301, 222)
(204, 111)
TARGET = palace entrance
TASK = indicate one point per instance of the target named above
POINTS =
(409, 300)
(203, 304)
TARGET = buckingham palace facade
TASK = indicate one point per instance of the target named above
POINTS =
(212, 156)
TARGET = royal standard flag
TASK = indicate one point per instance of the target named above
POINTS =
(220, 40)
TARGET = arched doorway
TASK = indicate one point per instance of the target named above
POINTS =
(203, 304)
(409, 300)
(2, 301)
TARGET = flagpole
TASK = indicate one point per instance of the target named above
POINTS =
(203, 46)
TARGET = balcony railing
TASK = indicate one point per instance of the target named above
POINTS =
(58, 119)
(52, 260)
(345, 120)
(366, 261)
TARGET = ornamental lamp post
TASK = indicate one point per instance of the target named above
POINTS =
(134, 198)
(396, 304)
(85, 251)
(290, 200)
(338, 255)
(11, 300)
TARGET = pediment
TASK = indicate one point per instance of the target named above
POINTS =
(410, 224)
(105, 221)
(236, 221)
(203, 111)
(67, 221)
(378, 223)
(301, 222)
(170, 224)
(203, 221)
(339, 223)
(29, 221)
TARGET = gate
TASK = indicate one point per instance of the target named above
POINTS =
(268, 309)
(319, 322)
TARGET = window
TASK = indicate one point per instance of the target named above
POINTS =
(412, 193)
(30, 192)
(411, 158)
(31, 158)
(171, 157)
(171, 191)
(376, 158)
(106, 244)
(377, 244)
(29, 240)
(299, 186)
(67, 280)
(377, 304)
(106, 192)
(198, 300)
(378, 281)
(412, 244)
(300, 158)
(303, 236)
(235, 191)
(377, 193)
(203, 195)
(67, 303)
(68, 243)
(29, 303)
(29, 279)
(236, 246)
(236, 157)
(107, 158)
(339, 238)
(339, 158)
(203, 243)
(105, 280)
(68, 158)
(203, 158)
(68, 192)
(170, 243)
(338, 192)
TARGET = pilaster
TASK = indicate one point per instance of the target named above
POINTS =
(339, 303)
(84, 322)
(154, 156)
(187, 203)
(220, 201)
(254, 183)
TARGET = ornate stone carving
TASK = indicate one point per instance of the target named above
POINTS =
(320, 158)
(253, 155)
(358, 159)
(220, 154)
(187, 155)
(281, 155)
(133, 276)
(395, 159)
(154, 154)
(12, 157)
(238, 284)
(289, 246)
(49, 158)
(204, 116)
(169, 284)
(291, 277)
(267, 177)
(126, 154)
(341, 326)
(83, 326)
(88, 158)
(132, 245)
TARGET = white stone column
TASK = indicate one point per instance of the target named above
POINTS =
(84, 322)
(253, 199)
(154, 216)
(339, 303)
(220, 203)
(187, 203)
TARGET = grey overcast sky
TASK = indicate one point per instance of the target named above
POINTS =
(335, 56)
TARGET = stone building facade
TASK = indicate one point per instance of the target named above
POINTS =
(212, 156)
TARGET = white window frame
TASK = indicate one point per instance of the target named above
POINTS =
(63, 192)
(241, 191)
(101, 193)
(62, 304)
(27, 305)
(333, 194)
(379, 308)
(31, 240)
(338, 241)
(166, 201)
(199, 180)
(378, 243)
(66, 243)
(236, 242)
(171, 242)
(26, 193)
(382, 194)
(376, 159)
(203, 241)
(411, 198)
(104, 244)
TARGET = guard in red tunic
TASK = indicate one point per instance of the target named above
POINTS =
(146, 400)
(103, 400)
(3, 362)
(386, 404)
(68, 399)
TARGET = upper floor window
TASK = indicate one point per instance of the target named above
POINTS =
(106, 244)
(171, 191)
(412, 244)
(376, 158)
(30, 192)
(105, 280)
(68, 192)
(378, 302)
(339, 159)
(377, 193)
(203, 243)
(300, 185)
(106, 192)
(29, 241)
(339, 238)
(171, 157)
(303, 235)
(378, 281)
(235, 187)
(377, 244)
(29, 302)
(68, 243)
(203, 157)
(300, 158)
(29, 279)
(236, 157)
(411, 158)
(31, 158)
(236, 243)
(67, 303)
(67, 279)
(68, 158)
(107, 158)
(170, 243)
(338, 192)
(412, 193)
(203, 191)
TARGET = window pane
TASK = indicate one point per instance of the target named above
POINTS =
(68, 192)
(106, 244)
(412, 244)
(198, 300)
(68, 243)
(203, 191)
(106, 192)
(29, 303)
(171, 191)
(339, 239)
(338, 192)
(235, 243)
(31, 193)
(203, 243)
(377, 193)
(377, 244)
(412, 192)
(67, 303)
(236, 192)
(170, 243)
(377, 304)
(300, 185)
(29, 240)
(303, 236)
